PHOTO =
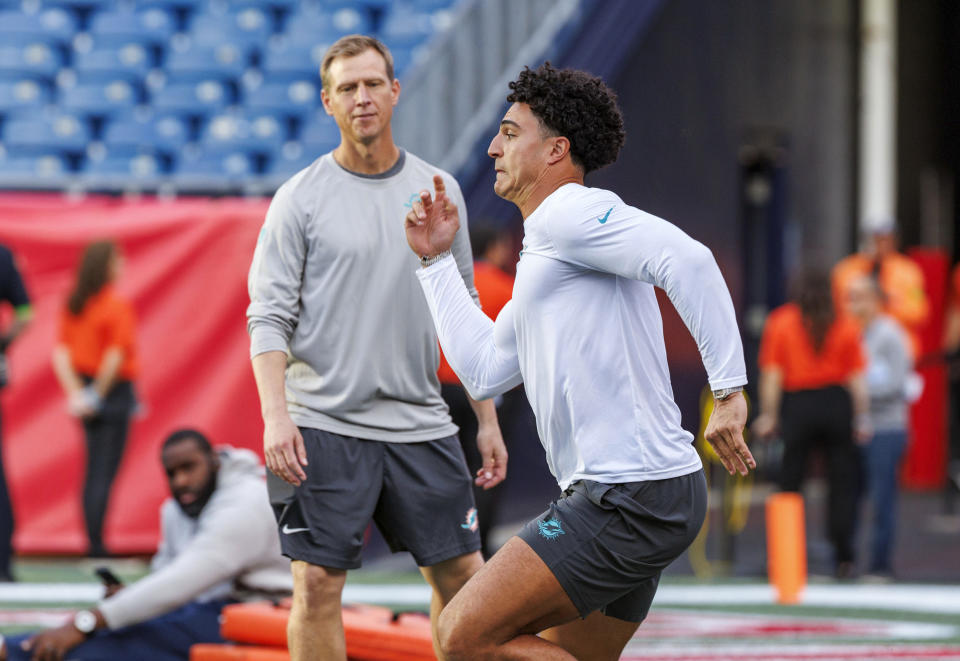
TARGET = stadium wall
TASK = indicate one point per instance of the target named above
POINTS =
(185, 272)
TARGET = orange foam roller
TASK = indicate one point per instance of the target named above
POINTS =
(407, 639)
(786, 546)
(262, 623)
(210, 652)
(371, 633)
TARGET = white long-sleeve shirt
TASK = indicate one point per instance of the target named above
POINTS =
(584, 334)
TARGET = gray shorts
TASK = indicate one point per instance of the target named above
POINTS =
(608, 543)
(419, 495)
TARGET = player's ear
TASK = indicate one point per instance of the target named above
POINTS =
(326, 101)
(395, 91)
(559, 148)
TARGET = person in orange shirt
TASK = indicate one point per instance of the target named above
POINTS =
(812, 388)
(491, 249)
(95, 362)
(900, 278)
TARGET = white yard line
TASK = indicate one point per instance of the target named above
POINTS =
(904, 597)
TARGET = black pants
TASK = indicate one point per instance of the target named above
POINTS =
(953, 450)
(822, 420)
(487, 502)
(6, 521)
(106, 436)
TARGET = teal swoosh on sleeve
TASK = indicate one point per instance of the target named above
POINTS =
(604, 217)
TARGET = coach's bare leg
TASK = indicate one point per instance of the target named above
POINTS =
(446, 578)
(500, 610)
(596, 638)
(315, 628)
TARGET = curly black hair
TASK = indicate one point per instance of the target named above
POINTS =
(576, 105)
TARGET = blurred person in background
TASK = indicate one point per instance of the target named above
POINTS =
(95, 361)
(491, 247)
(900, 279)
(889, 365)
(217, 546)
(345, 359)
(14, 295)
(813, 391)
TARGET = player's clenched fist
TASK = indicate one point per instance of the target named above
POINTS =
(725, 433)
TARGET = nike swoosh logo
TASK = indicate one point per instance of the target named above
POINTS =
(603, 218)
(287, 530)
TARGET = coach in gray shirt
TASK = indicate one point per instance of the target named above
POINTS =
(889, 365)
(345, 357)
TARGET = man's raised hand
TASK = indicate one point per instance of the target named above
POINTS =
(431, 224)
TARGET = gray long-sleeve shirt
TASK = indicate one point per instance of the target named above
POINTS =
(333, 285)
(888, 366)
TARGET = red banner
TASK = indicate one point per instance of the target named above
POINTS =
(185, 272)
(925, 465)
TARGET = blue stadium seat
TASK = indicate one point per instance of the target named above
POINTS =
(23, 95)
(292, 99)
(38, 59)
(152, 26)
(33, 171)
(403, 58)
(286, 61)
(319, 135)
(129, 62)
(405, 27)
(238, 132)
(113, 170)
(246, 28)
(363, 6)
(284, 165)
(171, 4)
(309, 27)
(202, 169)
(130, 135)
(430, 6)
(201, 98)
(223, 6)
(100, 99)
(59, 134)
(21, 28)
(223, 62)
(86, 5)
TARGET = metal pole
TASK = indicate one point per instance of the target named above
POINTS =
(878, 142)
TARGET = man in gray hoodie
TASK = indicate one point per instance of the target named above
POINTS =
(218, 545)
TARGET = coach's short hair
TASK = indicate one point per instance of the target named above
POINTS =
(351, 46)
(576, 105)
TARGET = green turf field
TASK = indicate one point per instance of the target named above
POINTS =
(691, 619)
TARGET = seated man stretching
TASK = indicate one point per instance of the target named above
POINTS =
(218, 545)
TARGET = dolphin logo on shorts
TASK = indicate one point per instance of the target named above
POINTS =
(470, 521)
(550, 529)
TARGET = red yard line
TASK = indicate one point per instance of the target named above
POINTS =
(844, 653)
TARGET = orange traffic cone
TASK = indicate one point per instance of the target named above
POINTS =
(786, 546)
